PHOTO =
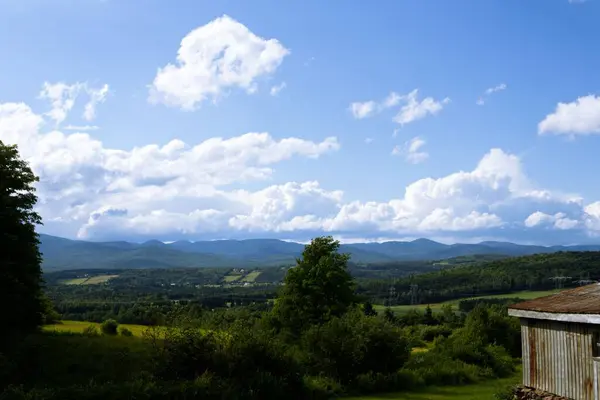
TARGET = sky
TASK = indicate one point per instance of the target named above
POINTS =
(458, 121)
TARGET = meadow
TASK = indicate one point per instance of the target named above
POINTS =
(92, 280)
(436, 307)
(80, 326)
(484, 390)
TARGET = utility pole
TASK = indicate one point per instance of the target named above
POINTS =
(414, 294)
(392, 294)
(558, 281)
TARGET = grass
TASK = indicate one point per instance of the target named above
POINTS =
(92, 280)
(79, 327)
(231, 278)
(436, 307)
(251, 277)
(479, 391)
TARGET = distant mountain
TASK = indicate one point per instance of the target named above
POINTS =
(60, 253)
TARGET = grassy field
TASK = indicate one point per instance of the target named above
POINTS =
(92, 280)
(251, 277)
(79, 326)
(438, 306)
(232, 277)
(479, 391)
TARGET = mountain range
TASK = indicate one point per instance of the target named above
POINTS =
(60, 253)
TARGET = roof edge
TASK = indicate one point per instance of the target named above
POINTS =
(562, 317)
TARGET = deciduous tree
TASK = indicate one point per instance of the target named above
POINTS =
(318, 288)
(21, 301)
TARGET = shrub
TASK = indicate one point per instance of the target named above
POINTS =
(322, 387)
(353, 345)
(125, 332)
(109, 327)
(91, 330)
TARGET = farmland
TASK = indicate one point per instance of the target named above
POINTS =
(525, 295)
(90, 280)
(80, 326)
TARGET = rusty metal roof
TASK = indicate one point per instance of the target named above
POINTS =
(581, 300)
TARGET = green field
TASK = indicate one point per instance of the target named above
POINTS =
(479, 391)
(438, 306)
(232, 277)
(92, 280)
(251, 277)
(79, 327)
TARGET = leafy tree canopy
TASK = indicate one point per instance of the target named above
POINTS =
(21, 300)
(318, 288)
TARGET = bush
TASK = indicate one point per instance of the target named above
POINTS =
(91, 330)
(353, 345)
(109, 327)
(125, 332)
(436, 369)
(322, 387)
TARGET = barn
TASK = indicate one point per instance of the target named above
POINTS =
(560, 338)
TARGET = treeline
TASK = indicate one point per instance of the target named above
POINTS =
(533, 272)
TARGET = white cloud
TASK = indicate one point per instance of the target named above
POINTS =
(178, 190)
(581, 117)
(97, 96)
(558, 220)
(217, 56)
(363, 110)
(489, 91)
(496, 88)
(81, 128)
(62, 98)
(369, 140)
(412, 151)
(414, 109)
(277, 88)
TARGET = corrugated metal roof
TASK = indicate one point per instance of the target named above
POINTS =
(581, 300)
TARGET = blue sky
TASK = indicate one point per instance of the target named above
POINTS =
(453, 120)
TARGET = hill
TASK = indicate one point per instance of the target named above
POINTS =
(531, 272)
(60, 253)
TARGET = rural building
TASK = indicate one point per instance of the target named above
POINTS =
(560, 338)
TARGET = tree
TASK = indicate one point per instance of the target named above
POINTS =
(318, 288)
(368, 309)
(109, 327)
(21, 300)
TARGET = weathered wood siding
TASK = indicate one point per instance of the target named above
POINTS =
(558, 357)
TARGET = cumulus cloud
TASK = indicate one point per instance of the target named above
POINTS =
(97, 96)
(178, 190)
(412, 151)
(581, 117)
(489, 91)
(220, 55)
(412, 110)
(558, 220)
(62, 98)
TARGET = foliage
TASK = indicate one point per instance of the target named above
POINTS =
(21, 301)
(318, 288)
(91, 331)
(125, 332)
(532, 272)
(109, 327)
(354, 344)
